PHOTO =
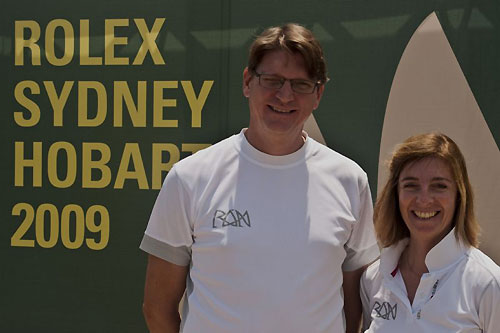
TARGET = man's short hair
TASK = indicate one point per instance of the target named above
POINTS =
(389, 224)
(292, 38)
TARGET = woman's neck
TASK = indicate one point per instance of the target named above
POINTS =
(412, 266)
(414, 257)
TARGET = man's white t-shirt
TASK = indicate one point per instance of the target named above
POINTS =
(266, 237)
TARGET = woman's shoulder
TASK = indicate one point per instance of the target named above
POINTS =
(482, 267)
(372, 269)
(371, 274)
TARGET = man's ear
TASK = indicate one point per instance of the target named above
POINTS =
(319, 93)
(246, 82)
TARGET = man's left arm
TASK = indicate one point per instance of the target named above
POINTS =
(361, 250)
(352, 300)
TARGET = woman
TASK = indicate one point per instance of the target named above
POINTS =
(430, 276)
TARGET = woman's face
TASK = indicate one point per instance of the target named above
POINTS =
(427, 195)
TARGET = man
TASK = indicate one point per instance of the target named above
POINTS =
(270, 229)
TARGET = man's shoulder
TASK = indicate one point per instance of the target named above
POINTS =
(209, 156)
(342, 165)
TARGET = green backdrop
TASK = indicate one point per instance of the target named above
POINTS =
(64, 173)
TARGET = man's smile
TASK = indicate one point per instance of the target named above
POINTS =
(279, 110)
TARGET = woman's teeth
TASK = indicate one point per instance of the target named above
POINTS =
(425, 215)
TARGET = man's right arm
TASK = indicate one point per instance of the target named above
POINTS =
(164, 288)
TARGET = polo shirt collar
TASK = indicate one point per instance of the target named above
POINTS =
(447, 252)
(389, 257)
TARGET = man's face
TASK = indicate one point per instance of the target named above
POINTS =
(279, 113)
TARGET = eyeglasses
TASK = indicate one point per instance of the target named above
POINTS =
(300, 86)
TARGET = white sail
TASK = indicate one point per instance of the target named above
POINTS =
(313, 130)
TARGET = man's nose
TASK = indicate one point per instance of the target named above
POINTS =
(285, 94)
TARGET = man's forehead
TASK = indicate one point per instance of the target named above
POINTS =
(279, 60)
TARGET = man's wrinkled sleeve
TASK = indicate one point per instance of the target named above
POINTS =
(362, 247)
(169, 231)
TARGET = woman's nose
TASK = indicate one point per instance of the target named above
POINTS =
(424, 197)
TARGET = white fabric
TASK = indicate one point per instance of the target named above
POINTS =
(460, 294)
(268, 235)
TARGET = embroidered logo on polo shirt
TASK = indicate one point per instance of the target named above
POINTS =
(231, 218)
(385, 310)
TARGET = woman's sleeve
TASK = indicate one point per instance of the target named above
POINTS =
(365, 301)
(489, 308)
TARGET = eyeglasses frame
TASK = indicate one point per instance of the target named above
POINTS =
(283, 80)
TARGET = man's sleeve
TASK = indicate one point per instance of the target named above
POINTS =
(169, 231)
(362, 248)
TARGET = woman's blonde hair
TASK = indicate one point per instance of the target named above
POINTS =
(389, 224)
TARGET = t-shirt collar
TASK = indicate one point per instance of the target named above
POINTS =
(267, 160)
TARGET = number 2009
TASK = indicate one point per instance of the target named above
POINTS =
(61, 225)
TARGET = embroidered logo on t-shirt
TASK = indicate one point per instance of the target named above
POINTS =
(385, 310)
(231, 218)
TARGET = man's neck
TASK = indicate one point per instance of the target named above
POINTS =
(274, 144)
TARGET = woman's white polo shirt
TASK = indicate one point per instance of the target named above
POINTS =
(461, 292)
